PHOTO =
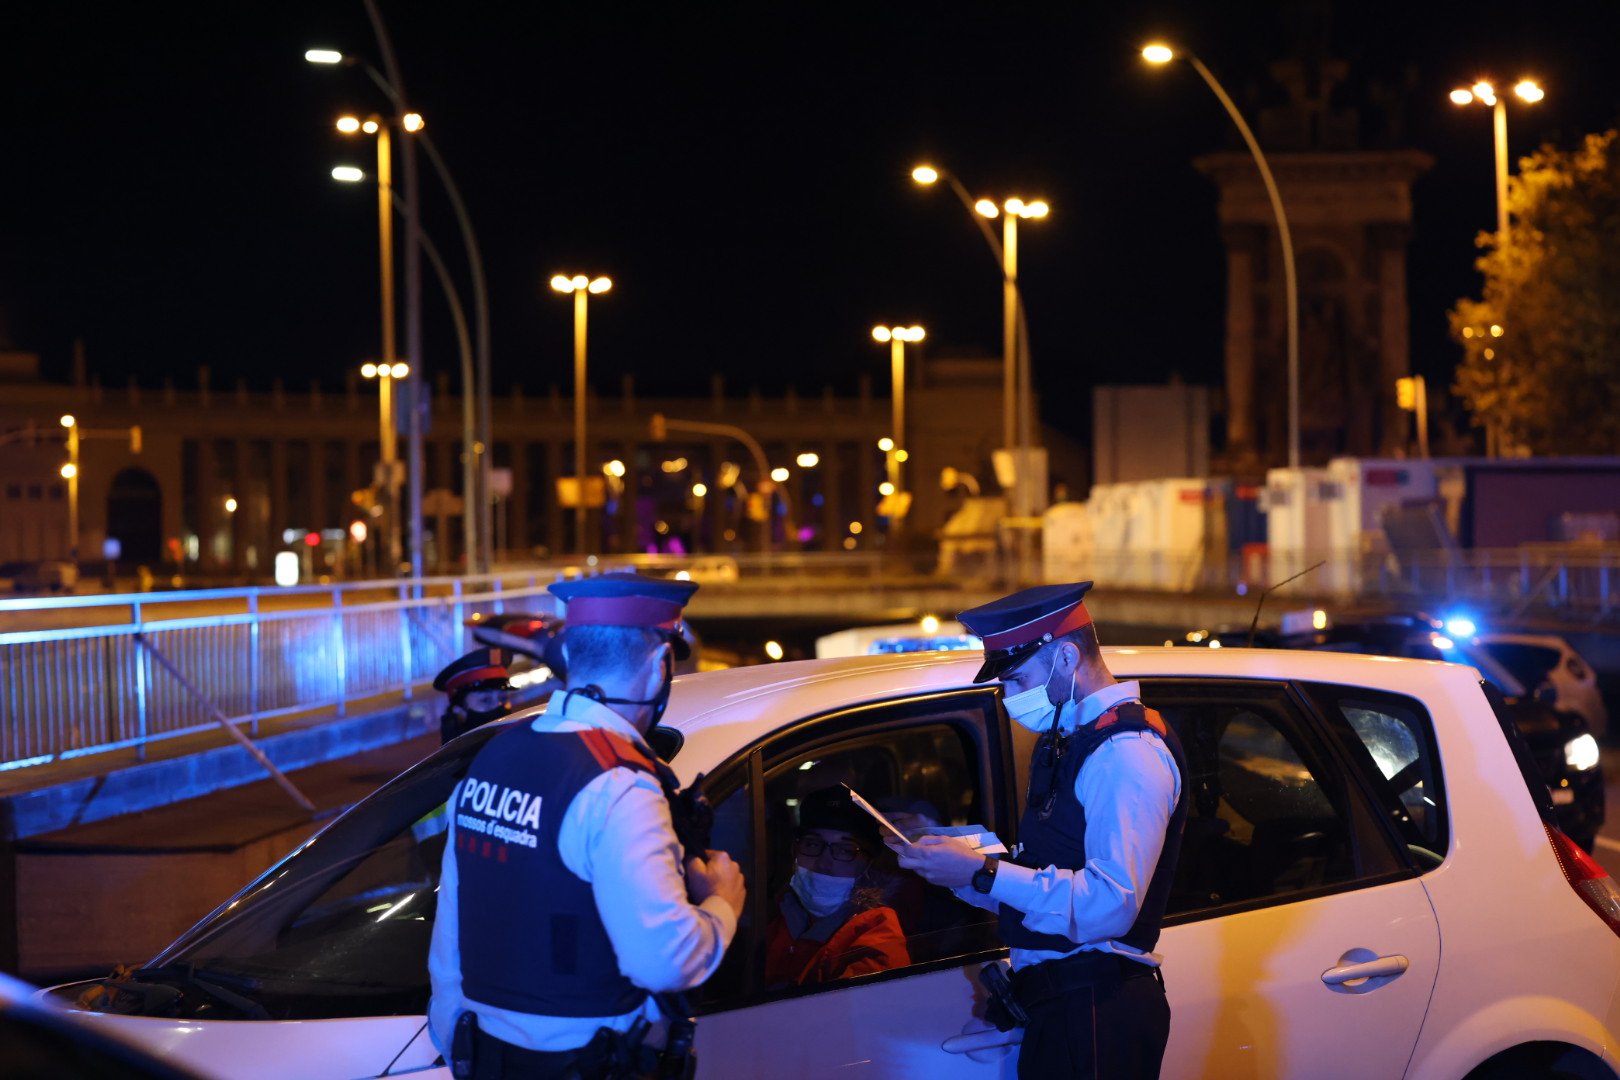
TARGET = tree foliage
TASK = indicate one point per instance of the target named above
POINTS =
(1547, 379)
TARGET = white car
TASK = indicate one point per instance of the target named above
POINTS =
(1368, 887)
(1538, 660)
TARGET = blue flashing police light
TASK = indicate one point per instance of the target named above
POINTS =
(1461, 626)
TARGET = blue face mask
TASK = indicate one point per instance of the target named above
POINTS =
(821, 894)
(1034, 708)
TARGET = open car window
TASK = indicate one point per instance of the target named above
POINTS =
(926, 762)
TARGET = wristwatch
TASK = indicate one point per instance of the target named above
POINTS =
(985, 876)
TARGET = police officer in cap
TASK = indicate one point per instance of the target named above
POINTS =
(566, 903)
(1082, 901)
(477, 687)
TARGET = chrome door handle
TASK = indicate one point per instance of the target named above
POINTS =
(1346, 974)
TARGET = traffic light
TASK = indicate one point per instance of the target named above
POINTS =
(135, 439)
(1406, 393)
(660, 430)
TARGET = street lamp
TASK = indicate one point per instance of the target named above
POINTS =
(374, 125)
(475, 389)
(70, 472)
(1163, 54)
(1016, 404)
(896, 338)
(387, 375)
(394, 86)
(1485, 94)
(582, 288)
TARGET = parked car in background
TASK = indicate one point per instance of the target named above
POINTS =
(1538, 660)
(1349, 815)
(1565, 750)
(928, 634)
(38, 576)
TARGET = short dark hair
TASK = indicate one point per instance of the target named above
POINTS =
(1085, 639)
(596, 651)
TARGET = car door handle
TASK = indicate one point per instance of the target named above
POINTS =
(1345, 974)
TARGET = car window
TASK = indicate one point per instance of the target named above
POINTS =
(1532, 665)
(1392, 739)
(1271, 814)
(925, 764)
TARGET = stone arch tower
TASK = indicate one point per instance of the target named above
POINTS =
(1349, 212)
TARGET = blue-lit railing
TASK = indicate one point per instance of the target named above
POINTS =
(82, 674)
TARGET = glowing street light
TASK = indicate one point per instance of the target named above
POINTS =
(230, 505)
(581, 287)
(1159, 53)
(349, 174)
(323, 56)
(780, 475)
(897, 337)
(699, 490)
(808, 460)
(386, 375)
(1017, 410)
(1484, 93)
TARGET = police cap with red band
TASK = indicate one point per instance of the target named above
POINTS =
(481, 669)
(1015, 626)
(630, 600)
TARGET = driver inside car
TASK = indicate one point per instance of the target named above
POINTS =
(834, 919)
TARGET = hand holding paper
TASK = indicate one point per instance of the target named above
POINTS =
(940, 860)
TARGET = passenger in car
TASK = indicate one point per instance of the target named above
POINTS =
(833, 920)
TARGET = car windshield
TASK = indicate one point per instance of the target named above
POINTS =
(340, 927)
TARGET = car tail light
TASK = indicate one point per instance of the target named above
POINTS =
(1590, 881)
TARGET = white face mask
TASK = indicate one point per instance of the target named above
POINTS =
(1033, 708)
(821, 894)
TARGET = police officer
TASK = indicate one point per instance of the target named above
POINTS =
(1082, 898)
(566, 902)
(478, 691)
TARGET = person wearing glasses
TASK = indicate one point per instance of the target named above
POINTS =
(1081, 902)
(833, 920)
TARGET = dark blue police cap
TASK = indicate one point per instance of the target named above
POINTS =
(481, 669)
(628, 599)
(1015, 626)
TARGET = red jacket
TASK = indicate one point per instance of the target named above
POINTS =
(867, 941)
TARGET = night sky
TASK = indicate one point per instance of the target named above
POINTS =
(741, 172)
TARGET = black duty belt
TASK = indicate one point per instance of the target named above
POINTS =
(1049, 979)
(495, 1058)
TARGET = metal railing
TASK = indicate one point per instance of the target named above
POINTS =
(93, 673)
(84, 674)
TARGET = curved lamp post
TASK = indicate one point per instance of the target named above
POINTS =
(1484, 93)
(1163, 54)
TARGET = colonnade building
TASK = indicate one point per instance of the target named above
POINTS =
(226, 477)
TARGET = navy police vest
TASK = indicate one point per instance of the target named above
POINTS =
(531, 938)
(1058, 838)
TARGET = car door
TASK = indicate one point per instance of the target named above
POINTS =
(1299, 939)
(936, 758)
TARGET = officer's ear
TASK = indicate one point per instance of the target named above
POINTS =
(1068, 657)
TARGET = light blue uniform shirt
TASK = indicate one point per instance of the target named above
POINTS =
(1128, 787)
(617, 835)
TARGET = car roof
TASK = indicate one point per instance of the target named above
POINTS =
(721, 711)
